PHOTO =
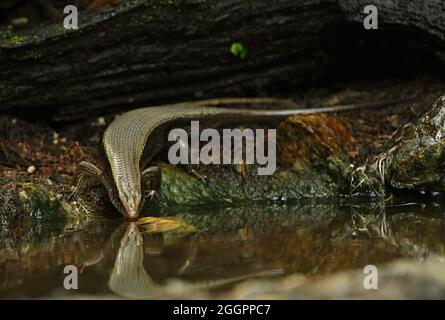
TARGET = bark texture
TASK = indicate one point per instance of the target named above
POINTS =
(160, 51)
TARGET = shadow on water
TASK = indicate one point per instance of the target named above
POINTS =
(231, 245)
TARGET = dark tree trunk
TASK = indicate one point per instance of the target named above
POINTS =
(154, 51)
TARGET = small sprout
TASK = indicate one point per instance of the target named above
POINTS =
(238, 50)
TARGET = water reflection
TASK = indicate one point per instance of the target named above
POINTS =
(231, 245)
(129, 278)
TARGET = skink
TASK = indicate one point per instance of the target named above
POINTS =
(134, 138)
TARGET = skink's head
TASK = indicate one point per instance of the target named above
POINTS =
(131, 199)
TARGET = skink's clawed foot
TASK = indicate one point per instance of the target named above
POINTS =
(153, 194)
(151, 179)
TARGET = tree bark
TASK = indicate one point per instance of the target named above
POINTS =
(145, 52)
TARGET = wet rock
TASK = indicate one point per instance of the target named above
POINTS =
(40, 203)
(418, 161)
(398, 280)
(312, 138)
(26, 202)
(316, 159)
(11, 212)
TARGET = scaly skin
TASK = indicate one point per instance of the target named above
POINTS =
(133, 139)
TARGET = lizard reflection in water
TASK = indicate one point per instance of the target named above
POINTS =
(130, 279)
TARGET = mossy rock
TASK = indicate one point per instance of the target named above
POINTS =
(334, 178)
(418, 161)
(40, 203)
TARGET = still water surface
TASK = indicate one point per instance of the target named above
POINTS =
(229, 245)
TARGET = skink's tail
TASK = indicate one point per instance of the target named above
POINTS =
(291, 106)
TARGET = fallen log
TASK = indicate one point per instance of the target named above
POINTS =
(160, 51)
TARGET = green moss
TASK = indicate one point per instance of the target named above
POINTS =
(224, 186)
(417, 161)
(9, 38)
(14, 40)
(40, 203)
(179, 187)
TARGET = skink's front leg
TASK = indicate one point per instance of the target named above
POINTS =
(151, 180)
(87, 170)
(84, 171)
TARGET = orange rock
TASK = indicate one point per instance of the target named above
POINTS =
(308, 137)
